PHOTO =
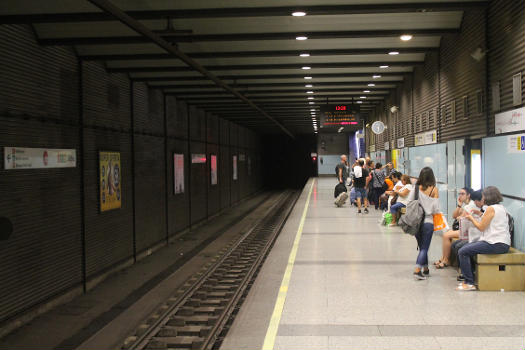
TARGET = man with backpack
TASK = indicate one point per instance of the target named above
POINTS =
(340, 192)
(360, 183)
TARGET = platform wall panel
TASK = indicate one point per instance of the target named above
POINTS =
(198, 184)
(214, 191)
(225, 176)
(178, 204)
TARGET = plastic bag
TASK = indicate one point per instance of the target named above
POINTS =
(440, 222)
(388, 218)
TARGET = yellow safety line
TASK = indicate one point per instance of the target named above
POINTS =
(271, 333)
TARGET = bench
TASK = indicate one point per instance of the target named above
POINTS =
(501, 271)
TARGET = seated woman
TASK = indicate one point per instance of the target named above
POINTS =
(397, 185)
(402, 199)
(464, 204)
(495, 237)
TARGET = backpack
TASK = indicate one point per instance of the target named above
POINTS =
(411, 222)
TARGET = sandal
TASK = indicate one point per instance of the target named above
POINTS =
(441, 265)
(466, 287)
(436, 263)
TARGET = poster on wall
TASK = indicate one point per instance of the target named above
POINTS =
(387, 146)
(401, 142)
(39, 158)
(235, 167)
(516, 143)
(510, 121)
(198, 158)
(425, 138)
(110, 180)
(213, 169)
(178, 173)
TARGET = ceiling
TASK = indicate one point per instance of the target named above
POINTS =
(241, 59)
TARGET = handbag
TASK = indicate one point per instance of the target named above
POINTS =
(394, 199)
(440, 222)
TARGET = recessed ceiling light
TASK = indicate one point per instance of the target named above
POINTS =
(298, 14)
(383, 67)
(310, 98)
(309, 92)
(311, 103)
(308, 85)
(312, 110)
(393, 53)
(366, 90)
(308, 78)
(359, 102)
(306, 67)
(302, 37)
(304, 54)
(371, 84)
(362, 96)
(406, 37)
(376, 76)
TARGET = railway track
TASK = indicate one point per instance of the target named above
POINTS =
(199, 314)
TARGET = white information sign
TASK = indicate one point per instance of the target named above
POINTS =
(425, 138)
(401, 142)
(372, 148)
(510, 121)
(178, 171)
(387, 146)
(39, 158)
(516, 143)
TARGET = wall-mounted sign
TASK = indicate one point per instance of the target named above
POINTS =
(198, 158)
(425, 138)
(235, 167)
(372, 148)
(339, 115)
(109, 180)
(510, 121)
(401, 142)
(313, 154)
(213, 169)
(39, 158)
(516, 143)
(387, 146)
(178, 173)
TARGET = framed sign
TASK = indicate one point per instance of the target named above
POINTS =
(39, 158)
(213, 169)
(178, 173)
(110, 186)
(234, 167)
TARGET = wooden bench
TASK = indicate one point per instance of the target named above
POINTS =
(501, 271)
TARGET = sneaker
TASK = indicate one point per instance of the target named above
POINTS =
(358, 211)
(366, 210)
(466, 287)
(419, 276)
(460, 278)
(426, 272)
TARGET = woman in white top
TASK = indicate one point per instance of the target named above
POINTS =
(402, 197)
(495, 238)
(464, 204)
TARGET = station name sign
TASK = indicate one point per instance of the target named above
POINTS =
(339, 115)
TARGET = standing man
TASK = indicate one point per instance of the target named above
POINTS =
(340, 192)
(360, 183)
(342, 170)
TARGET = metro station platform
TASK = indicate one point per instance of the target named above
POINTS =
(336, 279)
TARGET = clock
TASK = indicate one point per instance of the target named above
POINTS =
(378, 127)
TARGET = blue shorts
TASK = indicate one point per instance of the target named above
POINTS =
(360, 192)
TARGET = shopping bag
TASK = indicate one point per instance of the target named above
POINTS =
(464, 227)
(440, 222)
(388, 218)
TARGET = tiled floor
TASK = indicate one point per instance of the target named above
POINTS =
(352, 288)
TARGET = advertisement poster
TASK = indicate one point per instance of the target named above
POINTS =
(213, 169)
(198, 158)
(235, 167)
(510, 121)
(401, 142)
(178, 173)
(516, 143)
(39, 158)
(110, 180)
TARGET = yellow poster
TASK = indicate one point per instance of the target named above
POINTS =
(394, 158)
(110, 181)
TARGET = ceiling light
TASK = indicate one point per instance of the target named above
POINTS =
(362, 96)
(406, 37)
(376, 76)
(383, 67)
(393, 53)
(302, 37)
(309, 92)
(310, 98)
(298, 14)
(371, 84)
(308, 78)
(359, 102)
(366, 90)
(308, 85)
(306, 67)
(304, 54)
(311, 103)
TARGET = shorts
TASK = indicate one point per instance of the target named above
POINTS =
(360, 192)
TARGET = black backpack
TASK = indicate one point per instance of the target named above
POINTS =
(511, 228)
